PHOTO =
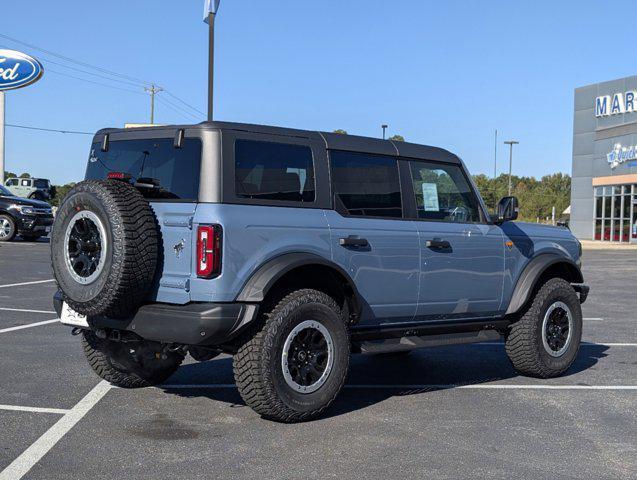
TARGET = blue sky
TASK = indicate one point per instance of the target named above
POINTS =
(440, 73)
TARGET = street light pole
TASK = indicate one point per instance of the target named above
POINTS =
(384, 127)
(211, 62)
(1, 138)
(510, 143)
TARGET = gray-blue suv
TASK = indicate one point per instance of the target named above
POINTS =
(292, 249)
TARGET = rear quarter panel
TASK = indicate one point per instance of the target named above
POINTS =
(252, 235)
(529, 241)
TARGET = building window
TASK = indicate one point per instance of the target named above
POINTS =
(615, 213)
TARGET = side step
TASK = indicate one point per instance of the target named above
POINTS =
(412, 342)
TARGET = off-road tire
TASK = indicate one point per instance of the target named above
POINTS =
(257, 364)
(111, 361)
(524, 345)
(132, 253)
(12, 228)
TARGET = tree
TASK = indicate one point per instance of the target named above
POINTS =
(397, 138)
(341, 131)
(9, 174)
(25, 175)
(60, 193)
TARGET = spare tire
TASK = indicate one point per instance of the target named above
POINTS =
(104, 248)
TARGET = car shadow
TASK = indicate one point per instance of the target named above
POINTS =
(375, 378)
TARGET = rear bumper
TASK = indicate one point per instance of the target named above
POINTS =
(205, 324)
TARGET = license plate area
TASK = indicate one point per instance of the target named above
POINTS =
(71, 317)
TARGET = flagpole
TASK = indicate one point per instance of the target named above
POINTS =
(211, 63)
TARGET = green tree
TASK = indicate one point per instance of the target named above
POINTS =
(60, 193)
(341, 131)
(397, 138)
(9, 174)
(25, 175)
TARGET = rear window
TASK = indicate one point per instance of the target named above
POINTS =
(41, 183)
(366, 185)
(273, 171)
(167, 173)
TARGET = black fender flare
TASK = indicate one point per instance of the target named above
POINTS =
(531, 274)
(262, 280)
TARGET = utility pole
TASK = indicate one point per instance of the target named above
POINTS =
(384, 127)
(153, 90)
(495, 155)
(510, 143)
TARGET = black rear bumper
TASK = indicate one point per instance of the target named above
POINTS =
(205, 324)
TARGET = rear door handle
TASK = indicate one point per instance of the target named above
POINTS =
(353, 241)
(438, 244)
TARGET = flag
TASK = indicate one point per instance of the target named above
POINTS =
(211, 6)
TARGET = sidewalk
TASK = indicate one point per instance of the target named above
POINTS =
(596, 245)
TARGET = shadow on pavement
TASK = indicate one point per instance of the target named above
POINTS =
(426, 370)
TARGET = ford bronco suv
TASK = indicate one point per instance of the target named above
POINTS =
(292, 249)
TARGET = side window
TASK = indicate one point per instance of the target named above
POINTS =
(273, 171)
(26, 183)
(366, 185)
(13, 182)
(443, 193)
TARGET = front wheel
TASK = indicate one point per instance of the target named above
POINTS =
(129, 365)
(294, 366)
(8, 228)
(545, 341)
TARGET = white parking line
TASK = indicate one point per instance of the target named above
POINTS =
(594, 319)
(19, 408)
(29, 325)
(32, 455)
(26, 283)
(26, 311)
(433, 386)
(584, 344)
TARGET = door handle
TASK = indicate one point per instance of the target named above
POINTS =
(353, 241)
(438, 244)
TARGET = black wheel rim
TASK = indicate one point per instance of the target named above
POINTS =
(557, 329)
(84, 247)
(307, 357)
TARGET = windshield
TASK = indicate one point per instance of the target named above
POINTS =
(4, 192)
(163, 171)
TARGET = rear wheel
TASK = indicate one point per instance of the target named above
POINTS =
(293, 367)
(129, 365)
(545, 341)
(7, 228)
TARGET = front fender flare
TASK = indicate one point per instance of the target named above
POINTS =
(531, 274)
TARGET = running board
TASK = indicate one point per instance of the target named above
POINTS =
(412, 342)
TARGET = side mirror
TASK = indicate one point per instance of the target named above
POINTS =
(508, 210)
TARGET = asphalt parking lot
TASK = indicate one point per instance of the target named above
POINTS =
(451, 412)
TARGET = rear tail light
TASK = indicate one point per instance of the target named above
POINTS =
(209, 251)
(118, 176)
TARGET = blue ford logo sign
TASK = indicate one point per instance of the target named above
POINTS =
(18, 70)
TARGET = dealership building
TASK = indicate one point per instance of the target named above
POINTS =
(604, 188)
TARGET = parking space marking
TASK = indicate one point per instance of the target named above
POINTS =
(26, 283)
(594, 319)
(19, 408)
(26, 311)
(29, 325)
(583, 344)
(433, 386)
(32, 455)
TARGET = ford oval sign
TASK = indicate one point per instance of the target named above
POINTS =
(18, 70)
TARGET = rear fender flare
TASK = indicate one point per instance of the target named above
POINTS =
(259, 284)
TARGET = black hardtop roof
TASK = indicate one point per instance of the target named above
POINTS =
(333, 141)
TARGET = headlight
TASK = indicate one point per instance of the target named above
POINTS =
(23, 209)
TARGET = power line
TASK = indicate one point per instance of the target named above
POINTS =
(94, 82)
(188, 105)
(175, 108)
(27, 127)
(77, 62)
